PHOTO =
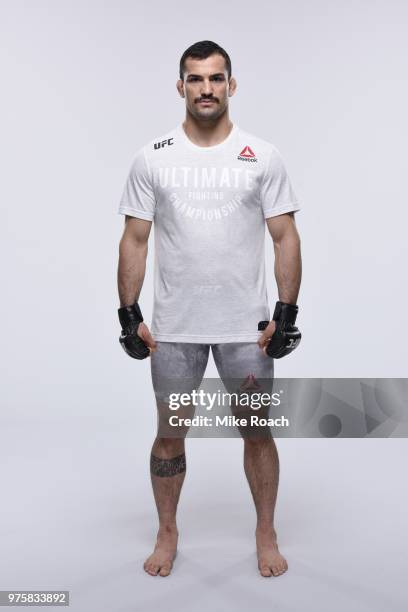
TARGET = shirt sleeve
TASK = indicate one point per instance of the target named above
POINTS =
(138, 198)
(277, 194)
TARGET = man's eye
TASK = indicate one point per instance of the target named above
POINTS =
(218, 78)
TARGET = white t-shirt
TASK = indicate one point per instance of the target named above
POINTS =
(209, 206)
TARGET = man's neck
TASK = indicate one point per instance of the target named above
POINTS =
(207, 133)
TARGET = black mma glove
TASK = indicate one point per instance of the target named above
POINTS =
(132, 344)
(286, 337)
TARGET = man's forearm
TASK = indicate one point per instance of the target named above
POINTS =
(131, 271)
(288, 267)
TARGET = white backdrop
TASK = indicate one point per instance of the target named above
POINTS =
(84, 85)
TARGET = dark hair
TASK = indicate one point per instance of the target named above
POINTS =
(202, 50)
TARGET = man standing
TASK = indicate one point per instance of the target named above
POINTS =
(209, 187)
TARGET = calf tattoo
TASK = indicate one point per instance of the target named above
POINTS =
(168, 467)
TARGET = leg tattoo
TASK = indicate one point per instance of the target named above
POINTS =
(167, 467)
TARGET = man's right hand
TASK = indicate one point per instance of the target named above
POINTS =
(135, 339)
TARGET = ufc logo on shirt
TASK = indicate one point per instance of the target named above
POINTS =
(163, 143)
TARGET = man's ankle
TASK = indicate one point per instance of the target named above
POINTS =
(168, 528)
(265, 527)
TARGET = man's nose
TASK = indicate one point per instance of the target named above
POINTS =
(206, 88)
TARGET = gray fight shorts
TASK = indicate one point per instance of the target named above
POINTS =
(179, 367)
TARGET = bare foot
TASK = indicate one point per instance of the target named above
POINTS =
(160, 562)
(270, 561)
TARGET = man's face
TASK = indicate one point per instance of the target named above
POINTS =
(205, 87)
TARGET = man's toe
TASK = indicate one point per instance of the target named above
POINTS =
(165, 569)
(152, 569)
(277, 570)
(265, 570)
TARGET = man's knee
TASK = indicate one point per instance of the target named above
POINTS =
(256, 438)
(168, 446)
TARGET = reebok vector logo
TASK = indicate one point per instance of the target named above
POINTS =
(247, 154)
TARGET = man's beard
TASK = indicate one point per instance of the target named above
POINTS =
(216, 112)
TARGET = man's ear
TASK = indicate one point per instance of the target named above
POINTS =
(180, 88)
(232, 86)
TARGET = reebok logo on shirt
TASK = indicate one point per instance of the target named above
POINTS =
(247, 154)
